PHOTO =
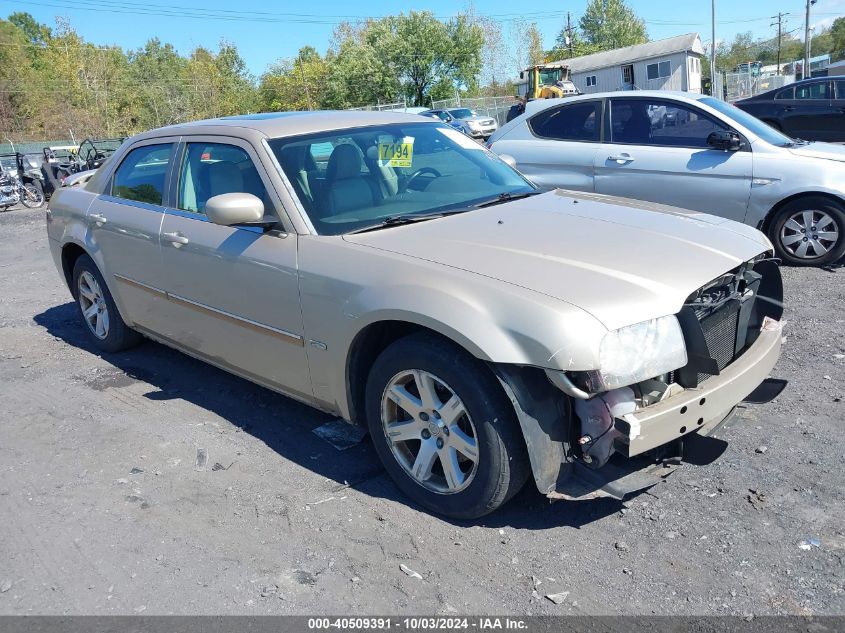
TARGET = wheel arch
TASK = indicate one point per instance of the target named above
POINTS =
(371, 341)
(542, 411)
(70, 253)
(766, 223)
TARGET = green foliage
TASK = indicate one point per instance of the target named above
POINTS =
(745, 48)
(414, 56)
(837, 39)
(609, 24)
(58, 85)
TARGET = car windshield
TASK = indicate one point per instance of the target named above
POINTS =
(351, 179)
(462, 113)
(751, 123)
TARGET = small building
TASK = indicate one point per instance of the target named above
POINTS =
(836, 68)
(670, 64)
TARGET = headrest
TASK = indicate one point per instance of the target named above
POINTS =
(224, 177)
(345, 162)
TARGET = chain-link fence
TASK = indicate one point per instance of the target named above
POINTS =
(494, 107)
(744, 85)
(31, 147)
(381, 107)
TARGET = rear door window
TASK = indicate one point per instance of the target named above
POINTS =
(142, 173)
(575, 122)
(819, 91)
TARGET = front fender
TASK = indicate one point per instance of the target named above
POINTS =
(497, 322)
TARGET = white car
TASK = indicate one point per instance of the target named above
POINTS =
(690, 151)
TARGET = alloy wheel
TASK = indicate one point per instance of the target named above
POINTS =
(809, 234)
(95, 311)
(430, 431)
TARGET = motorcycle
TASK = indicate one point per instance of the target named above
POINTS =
(13, 190)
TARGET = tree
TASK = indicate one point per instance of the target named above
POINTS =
(294, 84)
(421, 50)
(837, 32)
(36, 33)
(609, 24)
(158, 74)
(569, 44)
(526, 44)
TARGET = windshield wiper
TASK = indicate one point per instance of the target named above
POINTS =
(399, 220)
(505, 197)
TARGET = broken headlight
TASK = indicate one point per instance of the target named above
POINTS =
(639, 352)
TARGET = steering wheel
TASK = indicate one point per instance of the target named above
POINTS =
(420, 172)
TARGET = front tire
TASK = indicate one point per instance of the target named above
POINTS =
(97, 309)
(809, 231)
(33, 196)
(444, 428)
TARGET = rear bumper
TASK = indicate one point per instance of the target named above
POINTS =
(704, 407)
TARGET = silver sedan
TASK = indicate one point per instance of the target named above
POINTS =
(689, 151)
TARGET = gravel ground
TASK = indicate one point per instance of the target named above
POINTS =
(104, 510)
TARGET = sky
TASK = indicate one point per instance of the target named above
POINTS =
(265, 31)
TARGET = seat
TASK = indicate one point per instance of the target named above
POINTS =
(292, 160)
(346, 187)
(216, 179)
(637, 129)
(224, 177)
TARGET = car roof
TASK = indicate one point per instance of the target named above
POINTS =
(689, 97)
(281, 124)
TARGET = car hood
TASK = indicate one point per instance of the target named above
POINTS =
(826, 151)
(623, 261)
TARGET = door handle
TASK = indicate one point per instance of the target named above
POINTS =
(621, 158)
(177, 239)
(788, 108)
(98, 218)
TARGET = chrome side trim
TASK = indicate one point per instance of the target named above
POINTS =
(288, 337)
(139, 285)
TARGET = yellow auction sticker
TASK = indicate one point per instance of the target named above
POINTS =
(396, 154)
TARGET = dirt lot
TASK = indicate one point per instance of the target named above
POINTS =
(103, 509)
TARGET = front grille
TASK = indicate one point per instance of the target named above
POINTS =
(720, 329)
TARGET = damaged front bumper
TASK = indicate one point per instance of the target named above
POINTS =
(704, 407)
(649, 443)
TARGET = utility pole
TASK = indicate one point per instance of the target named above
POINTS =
(569, 32)
(713, 52)
(805, 73)
(779, 17)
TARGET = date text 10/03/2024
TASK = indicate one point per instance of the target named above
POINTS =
(418, 623)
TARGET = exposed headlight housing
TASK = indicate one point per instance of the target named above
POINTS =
(639, 352)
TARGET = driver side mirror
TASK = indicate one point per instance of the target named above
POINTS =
(508, 159)
(229, 209)
(727, 140)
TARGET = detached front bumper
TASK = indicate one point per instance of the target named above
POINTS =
(482, 133)
(704, 407)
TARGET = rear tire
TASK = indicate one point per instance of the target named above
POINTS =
(97, 309)
(457, 449)
(809, 231)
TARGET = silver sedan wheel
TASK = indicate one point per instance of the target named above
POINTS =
(93, 304)
(429, 431)
(809, 234)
